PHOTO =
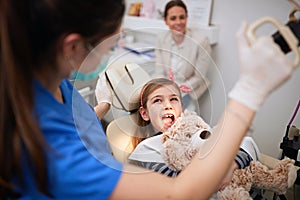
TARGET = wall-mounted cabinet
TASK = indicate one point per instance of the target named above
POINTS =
(147, 29)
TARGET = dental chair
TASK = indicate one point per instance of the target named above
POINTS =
(125, 80)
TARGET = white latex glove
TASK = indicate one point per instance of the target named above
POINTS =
(264, 67)
(102, 91)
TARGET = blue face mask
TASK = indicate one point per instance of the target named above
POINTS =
(80, 76)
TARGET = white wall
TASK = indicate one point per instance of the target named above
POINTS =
(270, 122)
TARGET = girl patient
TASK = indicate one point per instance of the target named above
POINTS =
(160, 106)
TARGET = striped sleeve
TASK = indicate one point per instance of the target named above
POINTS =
(243, 159)
(162, 168)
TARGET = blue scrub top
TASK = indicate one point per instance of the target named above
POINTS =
(80, 165)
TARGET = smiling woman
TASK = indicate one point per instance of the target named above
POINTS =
(183, 53)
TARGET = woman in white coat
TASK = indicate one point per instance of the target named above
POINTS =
(183, 54)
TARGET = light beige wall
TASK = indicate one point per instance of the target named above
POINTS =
(270, 122)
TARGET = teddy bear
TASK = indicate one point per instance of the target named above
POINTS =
(257, 175)
(184, 138)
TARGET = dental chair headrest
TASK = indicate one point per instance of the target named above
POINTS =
(126, 80)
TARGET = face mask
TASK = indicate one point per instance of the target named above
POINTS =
(77, 75)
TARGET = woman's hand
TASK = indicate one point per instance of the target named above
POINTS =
(185, 88)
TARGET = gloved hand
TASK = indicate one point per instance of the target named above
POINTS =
(102, 91)
(264, 67)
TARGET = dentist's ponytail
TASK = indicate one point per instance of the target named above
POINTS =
(20, 137)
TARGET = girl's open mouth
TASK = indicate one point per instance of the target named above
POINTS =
(168, 120)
